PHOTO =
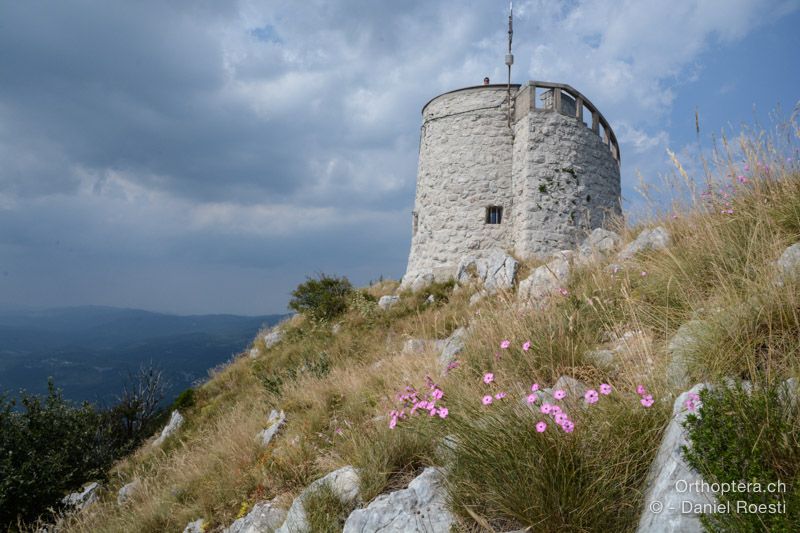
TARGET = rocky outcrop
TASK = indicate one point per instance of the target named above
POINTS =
(174, 424)
(657, 238)
(264, 517)
(127, 491)
(682, 348)
(82, 499)
(600, 243)
(198, 526)
(545, 281)
(416, 281)
(343, 483)
(664, 506)
(272, 337)
(412, 346)
(453, 346)
(275, 422)
(388, 301)
(421, 507)
(496, 270)
(788, 264)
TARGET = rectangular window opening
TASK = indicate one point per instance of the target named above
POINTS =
(494, 214)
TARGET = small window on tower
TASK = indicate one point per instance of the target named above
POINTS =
(494, 214)
(415, 222)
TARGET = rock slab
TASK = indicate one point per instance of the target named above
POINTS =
(198, 526)
(264, 517)
(127, 491)
(453, 346)
(545, 280)
(343, 482)
(174, 424)
(84, 498)
(657, 238)
(421, 508)
(667, 474)
(275, 422)
(388, 301)
(496, 270)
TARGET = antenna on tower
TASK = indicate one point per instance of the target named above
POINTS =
(509, 55)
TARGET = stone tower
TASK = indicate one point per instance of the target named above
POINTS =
(530, 185)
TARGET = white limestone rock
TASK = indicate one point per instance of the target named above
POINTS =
(253, 353)
(272, 337)
(265, 516)
(412, 346)
(477, 297)
(453, 346)
(496, 270)
(421, 508)
(198, 526)
(82, 499)
(657, 238)
(174, 424)
(545, 281)
(416, 281)
(343, 482)
(682, 349)
(127, 491)
(388, 301)
(275, 422)
(667, 470)
(600, 243)
(788, 264)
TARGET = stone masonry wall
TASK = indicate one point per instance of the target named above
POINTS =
(555, 179)
(464, 167)
(566, 183)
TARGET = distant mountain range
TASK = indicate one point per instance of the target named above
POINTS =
(89, 351)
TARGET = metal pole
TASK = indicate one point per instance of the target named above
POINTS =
(509, 55)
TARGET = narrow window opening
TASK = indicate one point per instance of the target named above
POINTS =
(414, 222)
(494, 214)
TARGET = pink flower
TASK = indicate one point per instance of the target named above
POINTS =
(534, 387)
(689, 405)
(531, 398)
(422, 405)
(526, 346)
(647, 400)
(674, 217)
(488, 377)
(443, 412)
(605, 389)
(505, 344)
(339, 431)
(644, 273)
(540, 427)
(559, 394)
(742, 179)
(747, 168)
(561, 418)
(554, 409)
(487, 399)
(437, 394)
(432, 411)
(500, 395)
(640, 390)
(563, 291)
(591, 396)
(568, 426)
(393, 422)
(546, 408)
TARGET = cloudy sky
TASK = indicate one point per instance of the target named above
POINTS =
(203, 156)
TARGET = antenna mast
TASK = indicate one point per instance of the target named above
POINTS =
(509, 55)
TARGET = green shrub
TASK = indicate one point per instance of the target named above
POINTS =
(184, 400)
(322, 298)
(752, 437)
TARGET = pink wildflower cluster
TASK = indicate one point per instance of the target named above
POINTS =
(557, 414)
(692, 402)
(487, 399)
(416, 403)
(645, 399)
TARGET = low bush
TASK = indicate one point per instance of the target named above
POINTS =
(322, 298)
(753, 437)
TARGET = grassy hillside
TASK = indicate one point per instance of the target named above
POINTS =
(338, 389)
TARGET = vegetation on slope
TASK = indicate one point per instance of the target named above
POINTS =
(337, 388)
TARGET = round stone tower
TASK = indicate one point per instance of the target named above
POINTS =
(530, 185)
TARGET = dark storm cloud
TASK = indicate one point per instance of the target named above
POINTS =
(206, 156)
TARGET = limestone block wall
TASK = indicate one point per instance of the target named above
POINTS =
(566, 183)
(464, 167)
(555, 174)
